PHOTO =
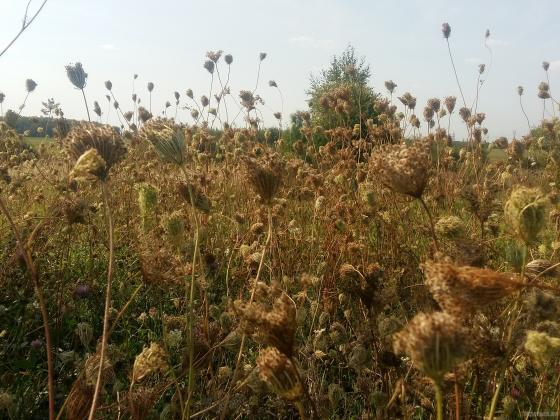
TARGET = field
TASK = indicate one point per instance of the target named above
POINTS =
(350, 262)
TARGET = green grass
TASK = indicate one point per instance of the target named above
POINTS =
(36, 141)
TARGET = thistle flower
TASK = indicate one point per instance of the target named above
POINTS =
(446, 30)
(265, 179)
(106, 142)
(524, 212)
(460, 290)
(228, 59)
(435, 343)
(167, 139)
(30, 85)
(209, 65)
(108, 85)
(77, 75)
(151, 360)
(390, 86)
(404, 169)
(278, 372)
(450, 103)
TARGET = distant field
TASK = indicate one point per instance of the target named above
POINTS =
(497, 154)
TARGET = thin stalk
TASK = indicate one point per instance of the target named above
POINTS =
(524, 113)
(455, 72)
(105, 336)
(85, 102)
(432, 226)
(494, 402)
(25, 252)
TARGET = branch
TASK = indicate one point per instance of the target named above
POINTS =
(25, 25)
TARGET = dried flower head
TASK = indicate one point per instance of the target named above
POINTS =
(524, 212)
(77, 75)
(194, 196)
(450, 227)
(30, 85)
(262, 56)
(275, 325)
(143, 114)
(108, 85)
(434, 104)
(167, 139)
(481, 68)
(214, 56)
(542, 347)
(209, 66)
(446, 30)
(97, 108)
(272, 83)
(403, 168)
(204, 101)
(106, 142)
(228, 59)
(150, 86)
(520, 90)
(465, 113)
(450, 103)
(151, 360)
(435, 343)
(278, 372)
(265, 179)
(390, 85)
(545, 65)
(89, 166)
(460, 290)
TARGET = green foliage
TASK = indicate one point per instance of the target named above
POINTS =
(346, 73)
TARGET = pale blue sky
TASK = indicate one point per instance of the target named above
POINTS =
(165, 42)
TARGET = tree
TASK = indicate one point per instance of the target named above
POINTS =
(340, 95)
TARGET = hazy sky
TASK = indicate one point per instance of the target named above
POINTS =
(165, 42)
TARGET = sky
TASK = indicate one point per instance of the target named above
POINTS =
(165, 42)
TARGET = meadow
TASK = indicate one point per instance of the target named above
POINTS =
(352, 262)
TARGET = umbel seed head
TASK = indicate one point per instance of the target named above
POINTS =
(107, 143)
(279, 373)
(545, 65)
(446, 30)
(524, 212)
(228, 59)
(150, 86)
(30, 85)
(520, 90)
(108, 85)
(167, 139)
(435, 342)
(77, 75)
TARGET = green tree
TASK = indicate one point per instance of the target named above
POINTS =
(340, 94)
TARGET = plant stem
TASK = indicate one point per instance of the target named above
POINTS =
(455, 72)
(85, 102)
(439, 401)
(26, 254)
(105, 336)
(494, 403)
(432, 227)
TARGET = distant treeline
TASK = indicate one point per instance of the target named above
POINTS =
(32, 126)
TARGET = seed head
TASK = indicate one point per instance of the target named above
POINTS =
(265, 179)
(542, 347)
(390, 86)
(77, 75)
(262, 56)
(150, 86)
(545, 65)
(151, 360)
(435, 342)
(30, 85)
(167, 139)
(446, 30)
(461, 290)
(189, 93)
(272, 83)
(108, 85)
(228, 59)
(97, 109)
(520, 90)
(524, 212)
(106, 142)
(404, 169)
(450, 103)
(214, 56)
(280, 374)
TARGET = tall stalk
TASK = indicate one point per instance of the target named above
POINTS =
(455, 72)
(26, 254)
(105, 336)
(85, 102)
